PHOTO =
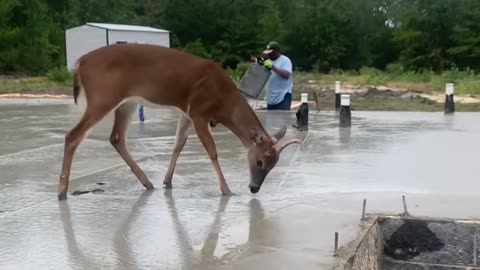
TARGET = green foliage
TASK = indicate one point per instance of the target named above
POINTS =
(243, 67)
(414, 37)
(25, 30)
(425, 33)
(59, 74)
(466, 34)
(271, 25)
(238, 73)
(395, 68)
(197, 48)
(369, 71)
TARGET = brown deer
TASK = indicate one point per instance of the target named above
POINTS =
(118, 77)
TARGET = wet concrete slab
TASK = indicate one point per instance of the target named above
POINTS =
(290, 223)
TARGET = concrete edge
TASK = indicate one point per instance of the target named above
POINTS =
(365, 251)
(346, 256)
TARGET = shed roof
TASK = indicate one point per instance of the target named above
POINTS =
(126, 27)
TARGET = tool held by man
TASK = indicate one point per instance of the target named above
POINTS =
(254, 80)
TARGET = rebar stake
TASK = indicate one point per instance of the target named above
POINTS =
(336, 244)
(363, 208)
(405, 211)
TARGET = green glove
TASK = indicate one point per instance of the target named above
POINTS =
(268, 64)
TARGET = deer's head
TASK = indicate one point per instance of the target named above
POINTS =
(263, 155)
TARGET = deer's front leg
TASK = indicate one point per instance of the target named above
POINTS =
(184, 125)
(207, 141)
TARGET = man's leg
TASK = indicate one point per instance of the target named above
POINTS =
(283, 105)
(274, 106)
(288, 101)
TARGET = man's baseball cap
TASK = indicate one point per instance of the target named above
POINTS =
(272, 46)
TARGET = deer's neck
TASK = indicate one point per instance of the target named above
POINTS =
(241, 120)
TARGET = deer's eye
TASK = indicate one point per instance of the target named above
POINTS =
(259, 163)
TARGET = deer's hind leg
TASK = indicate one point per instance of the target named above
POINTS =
(183, 127)
(123, 115)
(73, 139)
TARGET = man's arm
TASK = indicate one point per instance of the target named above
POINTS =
(283, 73)
(283, 68)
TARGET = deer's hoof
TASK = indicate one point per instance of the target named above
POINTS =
(149, 186)
(167, 185)
(62, 196)
(228, 193)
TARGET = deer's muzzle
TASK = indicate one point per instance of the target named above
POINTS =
(254, 189)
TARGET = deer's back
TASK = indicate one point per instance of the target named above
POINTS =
(158, 74)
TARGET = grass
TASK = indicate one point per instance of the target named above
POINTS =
(32, 85)
(391, 103)
(466, 82)
(58, 81)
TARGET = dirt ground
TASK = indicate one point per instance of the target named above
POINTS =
(363, 97)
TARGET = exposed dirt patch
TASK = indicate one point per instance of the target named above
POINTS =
(36, 95)
(403, 90)
(411, 239)
(418, 87)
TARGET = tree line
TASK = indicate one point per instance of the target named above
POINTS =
(319, 35)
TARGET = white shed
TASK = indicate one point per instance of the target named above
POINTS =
(90, 36)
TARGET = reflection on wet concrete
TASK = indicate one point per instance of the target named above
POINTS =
(75, 255)
(344, 135)
(126, 259)
(191, 260)
(312, 192)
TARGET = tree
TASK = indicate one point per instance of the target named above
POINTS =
(424, 34)
(466, 35)
(24, 35)
(320, 35)
(9, 37)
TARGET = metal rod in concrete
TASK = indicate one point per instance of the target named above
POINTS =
(364, 208)
(449, 100)
(475, 248)
(315, 97)
(336, 242)
(405, 211)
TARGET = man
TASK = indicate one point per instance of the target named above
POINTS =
(280, 84)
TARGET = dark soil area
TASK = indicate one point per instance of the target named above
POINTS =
(411, 239)
(417, 244)
(376, 100)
